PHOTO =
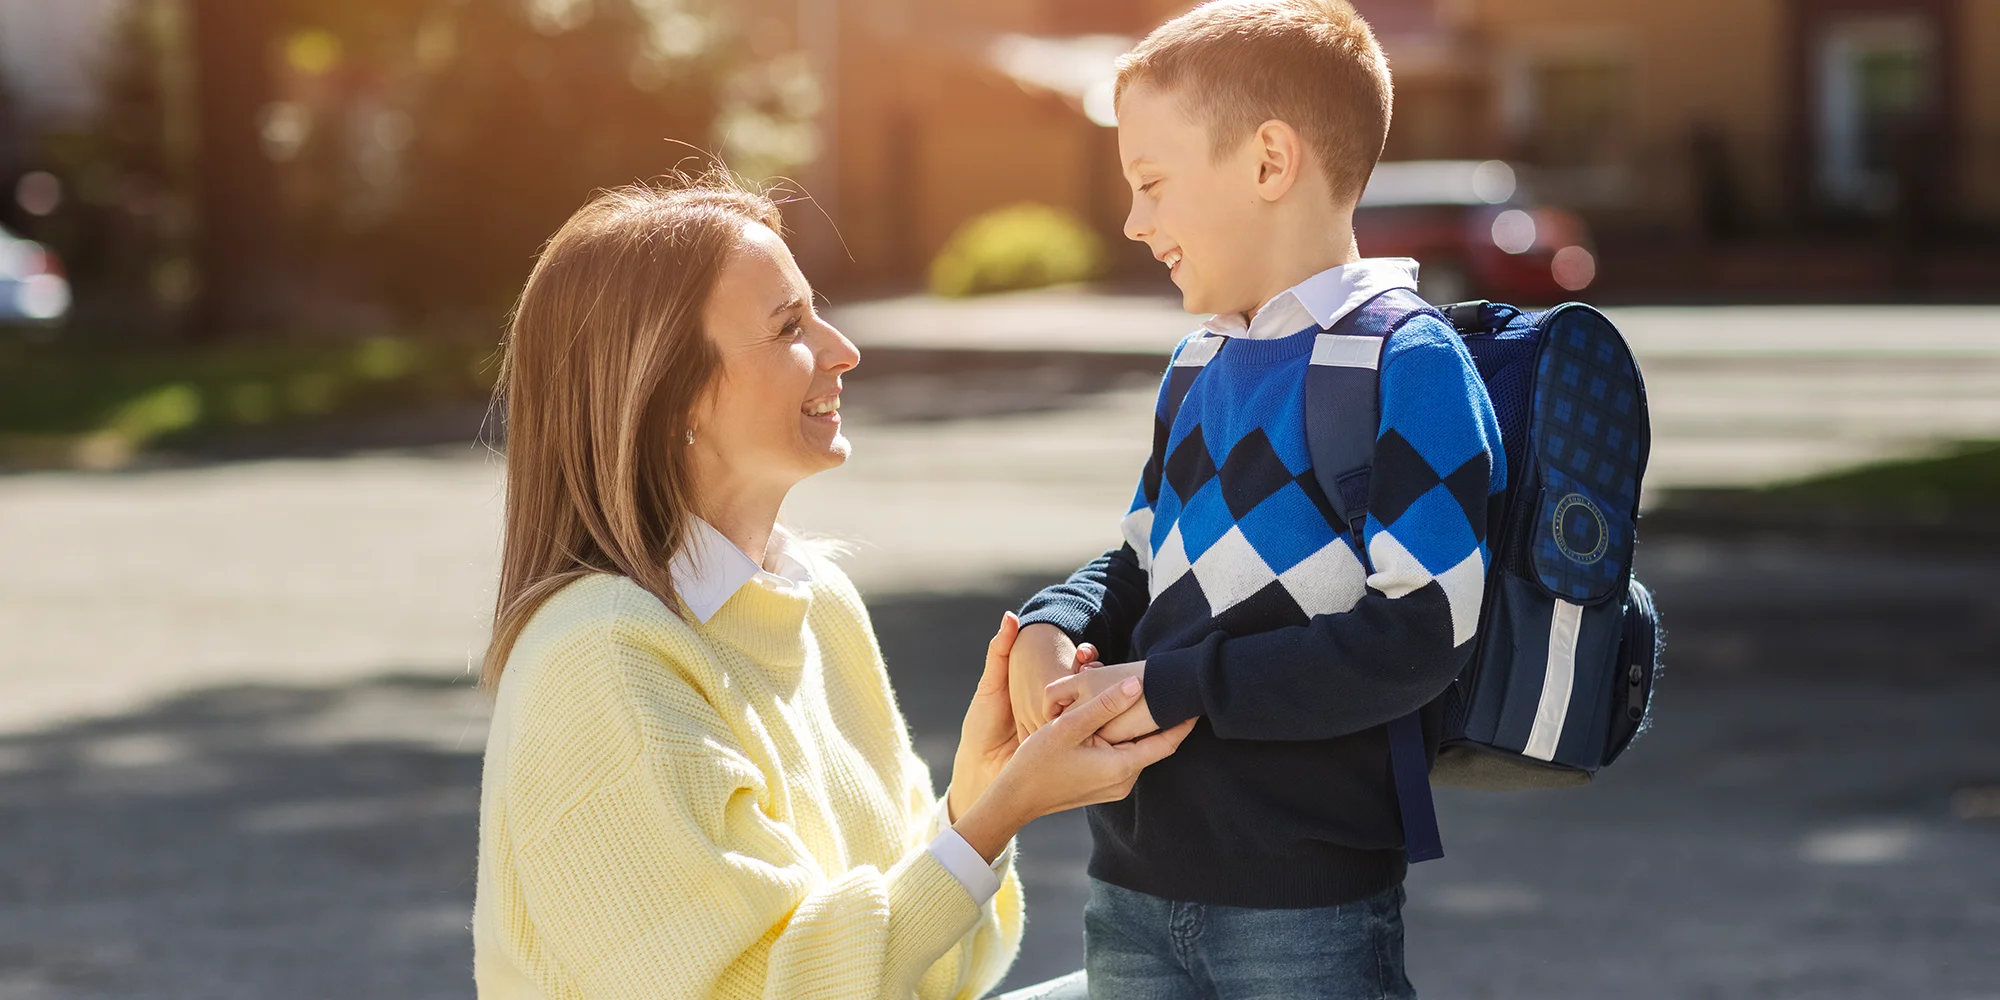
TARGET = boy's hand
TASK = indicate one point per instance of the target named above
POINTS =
(1042, 654)
(1084, 685)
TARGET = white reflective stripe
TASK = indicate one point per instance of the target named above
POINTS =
(1557, 679)
(1339, 350)
(1198, 352)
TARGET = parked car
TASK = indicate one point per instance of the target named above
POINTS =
(1475, 232)
(34, 290)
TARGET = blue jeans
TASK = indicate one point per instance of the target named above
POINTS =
(1141, 947)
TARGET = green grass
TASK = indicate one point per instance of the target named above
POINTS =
(1963, 480)
(1960, 483)
(55, 395)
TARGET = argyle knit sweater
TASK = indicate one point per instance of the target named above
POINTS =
(1257, 611)
(728, 809)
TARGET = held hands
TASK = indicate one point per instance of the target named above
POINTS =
(1064, 764)
(1046, 674)
(1089, 683)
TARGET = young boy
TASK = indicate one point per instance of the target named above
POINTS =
(1266, 857)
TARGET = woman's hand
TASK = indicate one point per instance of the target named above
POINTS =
(989, 736)
(1086, 684)
(1064, 765)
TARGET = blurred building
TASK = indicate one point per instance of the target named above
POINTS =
(942, 109)
(1752, 147)
(1819, 134)
(1710, 116)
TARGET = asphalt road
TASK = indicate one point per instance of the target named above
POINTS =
(239, 752)
(1816, 815)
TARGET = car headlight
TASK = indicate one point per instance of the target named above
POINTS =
(42, 297)
(1514, 231)
(17, 258)
(1573, 268)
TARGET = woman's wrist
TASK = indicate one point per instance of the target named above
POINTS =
(989, 822)
(967, 786)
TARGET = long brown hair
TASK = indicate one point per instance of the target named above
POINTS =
(605, 360)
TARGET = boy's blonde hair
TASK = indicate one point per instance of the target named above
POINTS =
(1312, 64)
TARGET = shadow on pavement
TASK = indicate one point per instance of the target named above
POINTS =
(245, 842)
(1816, 815)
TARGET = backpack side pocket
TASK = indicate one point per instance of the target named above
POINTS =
(1631, 700)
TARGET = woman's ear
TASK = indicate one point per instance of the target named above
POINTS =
(1280, 158)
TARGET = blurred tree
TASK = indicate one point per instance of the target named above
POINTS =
(277, 162)
(237, 236)
(10, 139)
(123, 229)
(521, 110)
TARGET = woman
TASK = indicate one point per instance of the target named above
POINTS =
(697, 782)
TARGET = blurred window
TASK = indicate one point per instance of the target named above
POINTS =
(1875, 91)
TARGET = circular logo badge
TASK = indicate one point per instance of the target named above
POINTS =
(1579, 530)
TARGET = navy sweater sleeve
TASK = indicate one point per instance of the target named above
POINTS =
(1100, 603)
(1438, 461)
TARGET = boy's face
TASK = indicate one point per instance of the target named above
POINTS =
(1199, 216)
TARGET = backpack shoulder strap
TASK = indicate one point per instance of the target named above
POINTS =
(1343, 411)
(1193, 356)
(1342, 402)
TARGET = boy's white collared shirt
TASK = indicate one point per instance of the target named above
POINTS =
(710, 569)
(1320, 300)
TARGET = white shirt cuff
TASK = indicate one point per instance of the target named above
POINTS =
(981, 880)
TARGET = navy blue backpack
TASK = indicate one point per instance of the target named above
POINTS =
(1561, 676)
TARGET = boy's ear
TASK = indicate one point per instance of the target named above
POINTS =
(1280, 158)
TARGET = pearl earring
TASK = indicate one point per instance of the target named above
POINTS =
(690, 435)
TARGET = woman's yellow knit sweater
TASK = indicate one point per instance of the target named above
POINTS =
(729, 809)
